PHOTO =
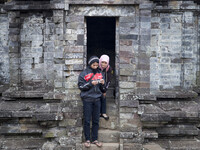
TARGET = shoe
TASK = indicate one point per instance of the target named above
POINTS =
(97, 143)
(87, 144)
(106, 118)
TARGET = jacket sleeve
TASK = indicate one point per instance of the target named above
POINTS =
(83, 84)
(107, 85)
(109, 74)
(103, 87)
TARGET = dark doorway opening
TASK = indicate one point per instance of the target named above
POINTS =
(101, 37)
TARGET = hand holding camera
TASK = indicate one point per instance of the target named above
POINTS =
(101, 81)
(95, 82)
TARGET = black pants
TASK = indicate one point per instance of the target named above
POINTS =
(103, 105)
(91, 110)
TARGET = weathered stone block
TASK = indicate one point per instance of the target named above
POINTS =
(74, 19)
(150, 134)
(106, 146)
(130, 146)
(72, 106)
(78, 67)
(111, 124)
(22, 114)
(131, 123)
(68, 123)
(74, 49)
(153, 146)
(71, 37)
(58, 13)
(49, 146)
(54, 132)
(74, 55)
(108, 136)
(66, 141)
(185, 144)
(6, 114)
(73, 61)
(127, 85)
(173, 130)
(18, 130)
(126, 72)
(33, 143)
(57, 19)
(47, 116)
(142, 85)
(80, 39)
(75, 25)
(129, 103)
(128, 135)
(133, 37)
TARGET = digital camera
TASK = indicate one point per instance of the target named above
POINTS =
(98, 81)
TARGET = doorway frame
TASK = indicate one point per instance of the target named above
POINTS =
(124, 40)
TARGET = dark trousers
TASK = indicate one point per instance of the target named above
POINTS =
(103, 105)
(91, 110)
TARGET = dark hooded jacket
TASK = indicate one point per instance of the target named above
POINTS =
(90, 92)
(107, 75)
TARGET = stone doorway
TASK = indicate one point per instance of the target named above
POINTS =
(79, 18)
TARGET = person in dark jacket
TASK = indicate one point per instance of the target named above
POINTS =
(106, 70)
(91, 84)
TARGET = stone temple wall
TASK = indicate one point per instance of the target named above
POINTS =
(4, 65)
(174, 64)
(43, 45)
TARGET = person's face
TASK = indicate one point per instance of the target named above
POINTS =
(104, 64)
(94, 65)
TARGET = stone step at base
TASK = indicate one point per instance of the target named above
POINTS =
(106, 146)
(21, 143)
(176, 143)
(108, 136)
(112, 123)
(152, 146)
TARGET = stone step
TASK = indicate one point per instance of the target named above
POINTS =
(112, 111)
(178, 143)
(112, 123)
(150, 134)
(152, 146)
(186, 144)
(106, 146)
(20, 130)
(108, 136)
(21, 143)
